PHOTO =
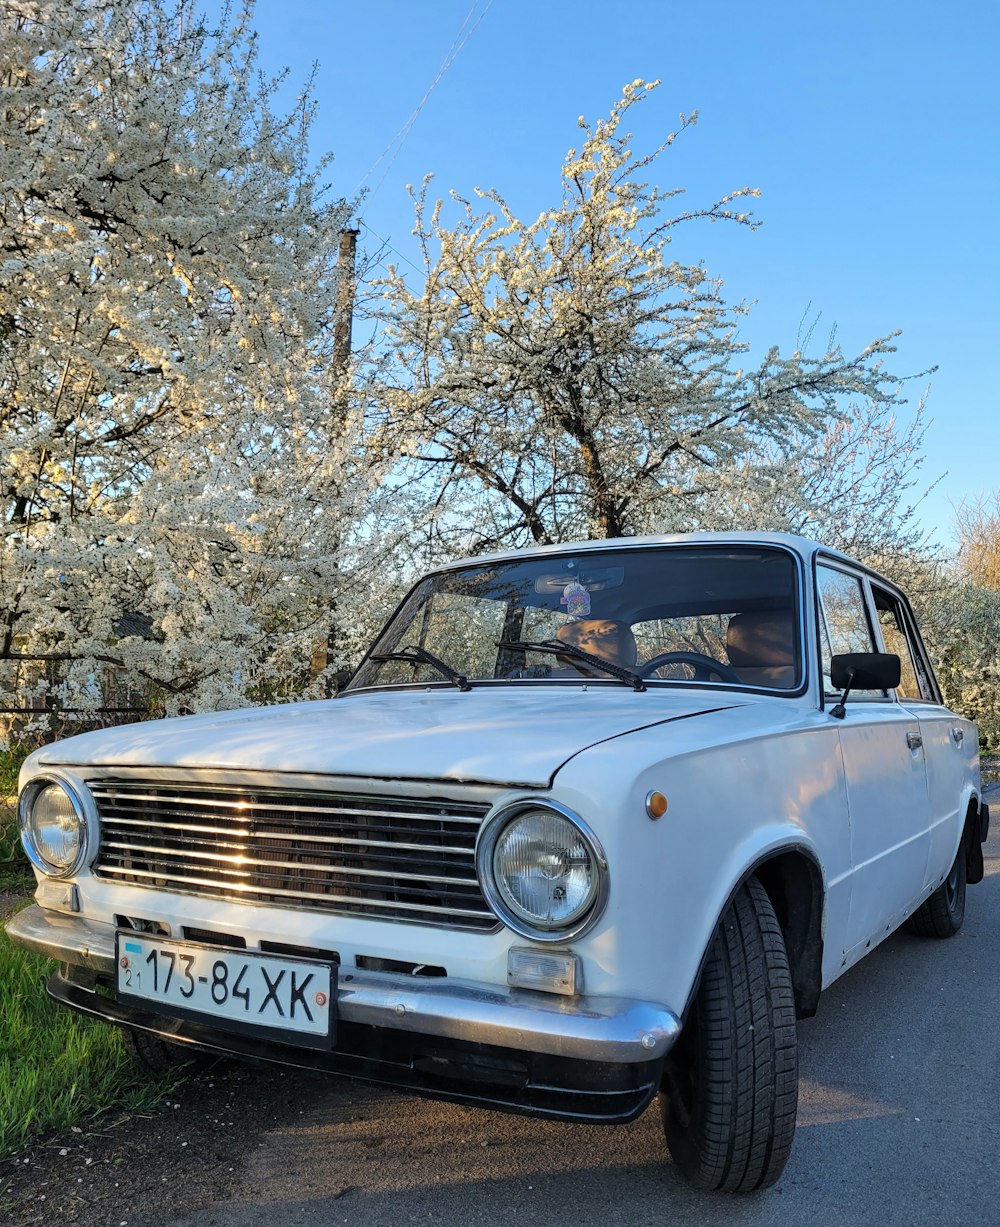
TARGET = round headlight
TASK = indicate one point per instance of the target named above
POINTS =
(542, 870)
(53, 826)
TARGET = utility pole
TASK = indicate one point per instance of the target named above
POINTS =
(326, 652)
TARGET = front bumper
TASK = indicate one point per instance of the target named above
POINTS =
(589, 1058)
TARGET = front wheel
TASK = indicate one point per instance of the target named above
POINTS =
(730, 1089)
(158, 1056)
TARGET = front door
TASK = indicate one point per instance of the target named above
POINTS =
(885, 774)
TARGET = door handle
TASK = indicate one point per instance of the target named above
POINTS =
(914, 740)
(958, 734)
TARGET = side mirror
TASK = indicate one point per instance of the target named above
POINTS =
(862, 671)
(339, 680)
(865, 671)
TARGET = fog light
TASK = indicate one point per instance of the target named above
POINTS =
(548, 971)
(56, 896)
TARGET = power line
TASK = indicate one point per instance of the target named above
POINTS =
(394, 250)
(461, 38)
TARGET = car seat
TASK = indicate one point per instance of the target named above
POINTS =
(608, 638)
(761, 648)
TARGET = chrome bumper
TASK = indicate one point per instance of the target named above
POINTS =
(608, 1029)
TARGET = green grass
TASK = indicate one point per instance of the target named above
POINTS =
(10, 764)
(16, 877)
(14, 871)
(57, 1069)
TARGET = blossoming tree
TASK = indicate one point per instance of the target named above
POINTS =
(173, 461)
(565, 377)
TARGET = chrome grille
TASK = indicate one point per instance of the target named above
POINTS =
(375, 856)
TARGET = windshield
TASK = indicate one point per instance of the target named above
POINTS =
(667, 615)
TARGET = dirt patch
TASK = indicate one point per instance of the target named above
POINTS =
(145, 1170)
(11, 900)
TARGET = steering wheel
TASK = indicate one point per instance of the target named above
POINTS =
(704, 666)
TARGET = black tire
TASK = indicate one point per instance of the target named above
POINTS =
(730, 1090)
(943, 913)
(160, 1057)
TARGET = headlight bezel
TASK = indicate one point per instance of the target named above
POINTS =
(486, 842)
(85, 818)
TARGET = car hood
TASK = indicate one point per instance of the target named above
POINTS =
(487, 735)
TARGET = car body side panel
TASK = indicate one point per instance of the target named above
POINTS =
(729, 807)
(951, 757)
(887, 800)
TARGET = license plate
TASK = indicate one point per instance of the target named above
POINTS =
(241, 987)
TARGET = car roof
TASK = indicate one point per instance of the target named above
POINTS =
(803, 546)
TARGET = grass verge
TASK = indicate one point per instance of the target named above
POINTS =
(57, 1069)
(11, 759)
(16, 877)
(14, 871)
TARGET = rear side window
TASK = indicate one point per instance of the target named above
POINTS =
(914, 682)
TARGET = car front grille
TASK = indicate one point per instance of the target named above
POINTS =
(384, 857)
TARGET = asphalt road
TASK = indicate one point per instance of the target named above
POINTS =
(898, 1124)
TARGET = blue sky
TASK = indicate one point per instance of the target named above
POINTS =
(871, 130)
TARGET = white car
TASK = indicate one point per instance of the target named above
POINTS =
(589, 823)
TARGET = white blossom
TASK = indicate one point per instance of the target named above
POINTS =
(179, 478)
(566, 378)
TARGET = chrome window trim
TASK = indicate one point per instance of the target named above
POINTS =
(910, 632)
(844, 567)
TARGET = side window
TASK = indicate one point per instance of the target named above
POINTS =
(844, 625)
(914, 682)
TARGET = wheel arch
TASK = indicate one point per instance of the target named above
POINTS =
(793, 880)
(974, 833)
(794, 884)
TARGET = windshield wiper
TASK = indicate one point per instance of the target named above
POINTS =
(417, 655)
(555, 647)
